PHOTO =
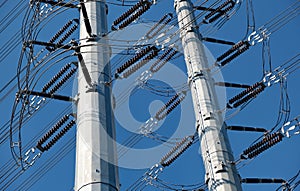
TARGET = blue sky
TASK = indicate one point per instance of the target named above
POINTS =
(281, 161)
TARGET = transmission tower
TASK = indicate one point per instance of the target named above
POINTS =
(220, 174)
(53, 51)
(95, 146)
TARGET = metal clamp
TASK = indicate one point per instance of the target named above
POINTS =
(291, 127)
(31, 157)
(257, 37)
(148, 126)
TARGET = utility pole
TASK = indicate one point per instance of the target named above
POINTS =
(96, 159)
(221, 174)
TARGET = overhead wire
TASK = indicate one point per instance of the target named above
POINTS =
(11, 16)
(10, 168)
(26, 87)
(145, 86)
(10, 82)
(3, 3)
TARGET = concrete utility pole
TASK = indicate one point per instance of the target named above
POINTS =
(220, 175)
(95, 145)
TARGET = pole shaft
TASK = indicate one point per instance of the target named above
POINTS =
(221, 175)
(96, 159)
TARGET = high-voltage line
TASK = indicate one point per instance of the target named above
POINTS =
(210, 14)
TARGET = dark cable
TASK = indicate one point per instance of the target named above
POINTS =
(86, 19)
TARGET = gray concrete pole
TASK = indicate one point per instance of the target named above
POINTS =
(221, 174)
(95, 145)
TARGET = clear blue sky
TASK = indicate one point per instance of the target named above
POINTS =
(281, 161)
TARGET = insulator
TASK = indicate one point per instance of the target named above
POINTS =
(174, 149)
(222, 12)
(245, 92)
(55, 127)
(129, 12)
(159, 25)
(59, 135)
(244, 128)
(250, 96)
(253, 147)
(263, 180)
(68, 34)
(235, 55)
(159, 115)
(174, 105)
(231, 50)
(259, 144)
(56, 77)
(161, 61)
(61, 31)
(219, 12)
(264, 144)
(156, 25)
(166, 105)
(63, 80)
(137, 57)
(268, 137)
(127, 22)
(168, 162)
(165, 53)
(232, 85)
(140, 64)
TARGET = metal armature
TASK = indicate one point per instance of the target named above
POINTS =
(221, 175)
